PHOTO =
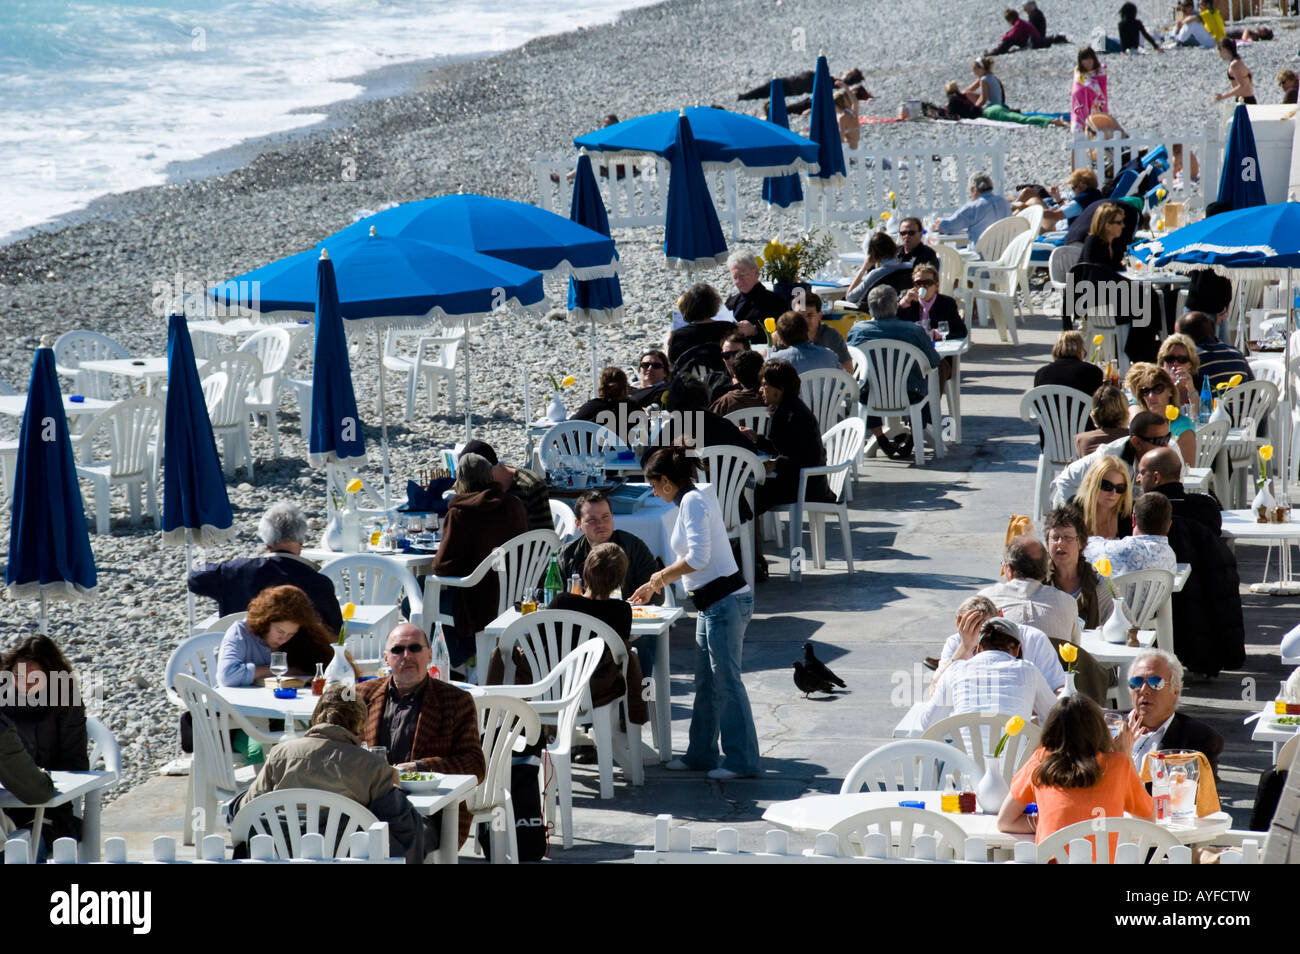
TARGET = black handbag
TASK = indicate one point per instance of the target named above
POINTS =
(530, 823)
(714, 590)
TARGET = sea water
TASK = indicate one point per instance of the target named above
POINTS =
(100, 96)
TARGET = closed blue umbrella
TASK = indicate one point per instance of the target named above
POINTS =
(692, 233)
(784, 191)
(49, 545)
(195, 506)
(825, 129)
(336, 436)
(514, 232)
(724, 140)
(1239, 183)
(599, 298)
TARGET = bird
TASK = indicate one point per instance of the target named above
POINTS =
(811, 674)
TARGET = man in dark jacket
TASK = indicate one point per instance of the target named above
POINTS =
(752, 301)
(596, 521)
(1211, 635)
(19, 774)
(1160, 471)
(526, 486)
(233, 584)
(1153, 720)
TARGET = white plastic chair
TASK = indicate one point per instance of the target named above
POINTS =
(757, 419)
(374, 581)
(576, 439)
(977, 734)
(520, 565)
(1146, 595)
(908, 765)
(434, 360)
(502, 722)
(74, 347)
(1248, 406)
(1060, 413)
(843, 444)
(989, 249)
(213, 775)
(217, 624)
(132, 431)
(196, 657)
(563, 520)
(952, 269)
(859, 364)
(888, 365)
(1210, 438)
(557, 699)
(830, 393)
(289, 813)
(229, 412)
(271, 347)
(1033, 214)
(1100, 319)
(996, 285)
(1059, 263)
(731, 469)
(1094, 837)
(900, 828)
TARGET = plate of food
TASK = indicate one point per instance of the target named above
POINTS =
(645, 612)
(420, 781)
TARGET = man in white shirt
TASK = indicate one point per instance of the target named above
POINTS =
(1148, 548)
(993, 680)
(1025, 597)
(1035, 647)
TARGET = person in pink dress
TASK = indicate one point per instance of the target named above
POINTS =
(1088, 92)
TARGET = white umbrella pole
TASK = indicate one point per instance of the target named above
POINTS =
(383, 413)
(594, 381)
(469, 424)
(42, 624)
(189, 564)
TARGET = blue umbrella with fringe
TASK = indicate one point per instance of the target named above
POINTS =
(783, 191)
(598, 298)
(692, 234)
(825, 129)
(49, 543)
(196, 508)
(1239, 183)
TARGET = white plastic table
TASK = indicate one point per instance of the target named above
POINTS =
(15, 405)
(1241, 526)
(818, 813)
(446, 798)
(953, 348)
(147, 370)
(68, 786)
(658, 625)
(1267, 729)
(415, 562)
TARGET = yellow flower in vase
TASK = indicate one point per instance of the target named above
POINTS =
(1013, 727)
(348, 611)
(354, 485)
(1171, 413)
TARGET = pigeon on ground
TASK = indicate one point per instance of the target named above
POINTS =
(811, 674)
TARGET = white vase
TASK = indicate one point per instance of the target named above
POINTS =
(1115, 629)
(1068, 689)
(992, 788)
(339, 671)
(555, 410)
(1263, 504)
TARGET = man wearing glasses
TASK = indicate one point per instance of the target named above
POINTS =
(425, 724)
(1155, 681)
(1147, 431)
(911, 249)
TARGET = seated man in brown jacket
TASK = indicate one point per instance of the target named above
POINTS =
(426, 725)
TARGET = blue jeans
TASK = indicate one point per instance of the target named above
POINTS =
(721, 705)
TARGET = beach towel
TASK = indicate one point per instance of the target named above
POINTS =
(1002, 114)
(1087, 96)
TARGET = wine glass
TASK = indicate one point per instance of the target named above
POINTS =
(943, 330)
(279, 666)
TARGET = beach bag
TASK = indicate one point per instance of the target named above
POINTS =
(530, 823)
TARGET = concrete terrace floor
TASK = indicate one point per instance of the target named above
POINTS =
(923, 540)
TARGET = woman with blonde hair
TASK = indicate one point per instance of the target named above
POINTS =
(1178, 357)
(1110, 414)
(1106, 499)
(1153, 389)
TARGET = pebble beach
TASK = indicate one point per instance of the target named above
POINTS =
(474, 125)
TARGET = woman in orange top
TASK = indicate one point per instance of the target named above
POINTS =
(1077, 769)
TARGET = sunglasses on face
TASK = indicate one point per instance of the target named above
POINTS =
(401, 649)
(1154, 682)
(1154, 389)
(1176, 359)
(908, 232)
(651, 366)
(924, 283)
(732, 355)
(1156, 440)
(1109, 488)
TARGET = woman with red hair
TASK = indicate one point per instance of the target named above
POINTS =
(280, 619)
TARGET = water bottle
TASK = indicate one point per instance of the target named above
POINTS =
(1207, 400)
(554, 584)
(350, 523)
(440, 666)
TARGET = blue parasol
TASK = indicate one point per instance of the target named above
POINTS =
(49, 545)
(784, 191)
(1239, 183)
(336, 436)
(598, 298)
(1264, 239)
(724, 140)
(825, 129)
(692, 233)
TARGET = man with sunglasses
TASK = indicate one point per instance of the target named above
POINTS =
(1155, 681)
(425, 724)
(910, 247)
(1161, 471)
(1147, 431)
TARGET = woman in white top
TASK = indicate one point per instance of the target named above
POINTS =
(724, 602)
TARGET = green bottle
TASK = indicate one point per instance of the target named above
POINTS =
(554, 584)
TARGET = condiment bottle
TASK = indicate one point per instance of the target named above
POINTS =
(318, 681)
(1159, 786)
(966, 800)
(575, 585)
(948, 798)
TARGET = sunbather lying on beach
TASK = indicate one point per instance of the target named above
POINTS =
(801, 84)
